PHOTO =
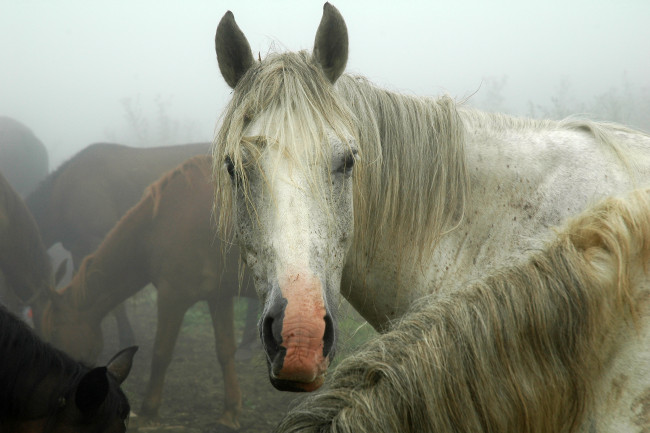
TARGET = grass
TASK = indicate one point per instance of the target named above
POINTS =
(353, 329)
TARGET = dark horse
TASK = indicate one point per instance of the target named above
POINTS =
(23, 157)
(44, 390)
(25, 270)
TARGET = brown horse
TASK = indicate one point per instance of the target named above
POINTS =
(84, 198)
(166, 239)
(24, 262)
(559, 343)
(23, 157)
(45, 391)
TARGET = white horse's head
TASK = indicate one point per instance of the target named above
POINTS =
(284, 164)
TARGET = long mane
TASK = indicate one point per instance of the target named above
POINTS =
(200, 163)
(415, 182)
(412, 182)
(519, 351)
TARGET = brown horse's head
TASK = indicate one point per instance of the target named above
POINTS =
(45, 390)
(97, 403)
(76, 332)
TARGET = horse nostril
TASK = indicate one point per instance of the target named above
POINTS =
(329, 337)
(272, 328)
(271, 344)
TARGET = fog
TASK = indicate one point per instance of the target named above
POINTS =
(145, 72)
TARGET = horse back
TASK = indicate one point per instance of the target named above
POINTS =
(87, 195)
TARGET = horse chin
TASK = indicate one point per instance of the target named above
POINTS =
(293, 386)
(298, 382)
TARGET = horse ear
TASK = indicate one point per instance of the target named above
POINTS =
(60, 272)
(233, 50)
(331, 44)
(92, 390)
(120, 364)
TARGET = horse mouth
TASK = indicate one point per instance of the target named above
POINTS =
(305, 372)
(307, 380)
(294, 386)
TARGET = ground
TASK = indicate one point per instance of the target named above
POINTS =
(193, 395)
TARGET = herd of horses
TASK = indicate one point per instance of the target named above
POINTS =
(436, 221)
(83, 199)
(165, 239)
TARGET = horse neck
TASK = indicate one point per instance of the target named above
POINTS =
(119, 267)
(154, 162)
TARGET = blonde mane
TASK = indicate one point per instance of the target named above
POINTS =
(411, 182)
(201, 163)
(519, 351)
(301, 104)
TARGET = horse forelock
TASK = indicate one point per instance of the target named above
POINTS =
(299, 106)
(521, 350)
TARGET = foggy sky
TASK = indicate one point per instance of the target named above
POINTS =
(66, 65)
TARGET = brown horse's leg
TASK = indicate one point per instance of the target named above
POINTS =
(250, 339)
(170, 318)
(222, 313)
(124, 329)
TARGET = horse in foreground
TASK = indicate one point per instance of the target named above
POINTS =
(167, 239)
(330, 184)
(44, 390)
(24, 262)
(83, 199)
(559, 343)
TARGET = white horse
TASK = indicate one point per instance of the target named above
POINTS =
(330, 185)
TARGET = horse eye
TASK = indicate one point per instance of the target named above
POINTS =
(230, 166)
(348, 163)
